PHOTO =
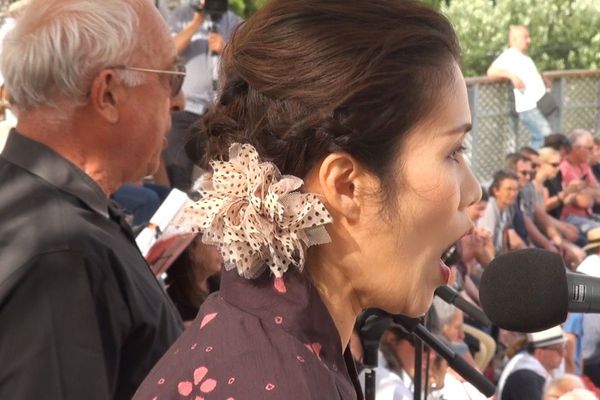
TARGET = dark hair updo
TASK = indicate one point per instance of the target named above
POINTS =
(304, 78)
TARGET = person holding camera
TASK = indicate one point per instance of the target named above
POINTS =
(201, 29)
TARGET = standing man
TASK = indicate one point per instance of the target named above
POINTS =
(526, 373)
(93, 84)
(513, 64)
(200, 37)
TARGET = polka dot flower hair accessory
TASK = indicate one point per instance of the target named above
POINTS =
(256, 215)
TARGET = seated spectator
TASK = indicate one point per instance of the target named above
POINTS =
(388, 385)
(192, 277)
(562, 385)
(529, 210)
(447, 321)
(539, 226)
(476, 251)
(575, 168)
(526, 374)
(549, 161)
(560, 143)
(595, 159)
(397, 347)
(573, 328)
(497, 217)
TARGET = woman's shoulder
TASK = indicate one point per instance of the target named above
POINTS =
(227, 353)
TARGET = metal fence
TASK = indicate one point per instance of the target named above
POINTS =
(496, 127)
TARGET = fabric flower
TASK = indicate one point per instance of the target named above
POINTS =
(257, 216)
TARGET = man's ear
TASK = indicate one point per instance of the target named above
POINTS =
(343, 183)
(105, 95)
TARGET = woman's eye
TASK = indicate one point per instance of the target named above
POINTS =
(456, 154)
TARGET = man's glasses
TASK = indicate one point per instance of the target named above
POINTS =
(554, 164)
(176, 76)
(526, 173)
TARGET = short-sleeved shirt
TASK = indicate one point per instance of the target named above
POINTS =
(571, 172)
(81, 314)
(574, 325)
(523, 66)
(496, 222)
(261, 339)
(591, 339)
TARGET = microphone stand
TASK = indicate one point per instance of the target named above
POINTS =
(455, 361)
(371, 324)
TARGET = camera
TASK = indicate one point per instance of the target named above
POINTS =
(215, 8)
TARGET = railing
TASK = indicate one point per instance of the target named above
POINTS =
(496, 127)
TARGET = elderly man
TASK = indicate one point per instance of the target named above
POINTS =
(513, 64)
(575, 170)
(526, 373)
(93, 83)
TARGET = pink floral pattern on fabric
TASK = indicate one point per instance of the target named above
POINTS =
(207, 318)
(257, 216)
(185, 388)
(279, 285)
(315, 348)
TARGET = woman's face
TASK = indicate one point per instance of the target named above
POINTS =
(397, 265)
(476, 210)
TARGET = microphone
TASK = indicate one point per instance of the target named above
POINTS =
(451, 296)
(530, 290)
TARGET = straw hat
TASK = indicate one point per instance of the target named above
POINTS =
(593, 239)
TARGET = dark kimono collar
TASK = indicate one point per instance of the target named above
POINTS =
(44, 162)
(294, 301)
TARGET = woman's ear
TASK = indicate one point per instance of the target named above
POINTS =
(105, 95)
(344, 182)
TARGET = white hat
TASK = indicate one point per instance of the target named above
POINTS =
(554, 335)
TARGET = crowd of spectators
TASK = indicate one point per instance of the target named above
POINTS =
(541, 198)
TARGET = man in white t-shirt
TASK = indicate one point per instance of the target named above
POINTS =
(513, 64)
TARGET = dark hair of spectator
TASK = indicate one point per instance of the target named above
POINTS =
(511, 160)
(557, 141)
(500, 177)
(304, 78)
(597, 140)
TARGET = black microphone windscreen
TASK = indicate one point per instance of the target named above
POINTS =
(525, 290)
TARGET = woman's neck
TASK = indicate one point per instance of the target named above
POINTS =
(337, 293)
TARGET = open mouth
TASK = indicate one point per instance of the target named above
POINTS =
(450, 255)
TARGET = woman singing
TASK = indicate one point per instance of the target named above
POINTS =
(337, 182)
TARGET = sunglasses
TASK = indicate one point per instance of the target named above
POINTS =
(175, 76)
(526, 173)
(554, 164)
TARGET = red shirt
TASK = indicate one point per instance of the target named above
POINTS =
(571, 172)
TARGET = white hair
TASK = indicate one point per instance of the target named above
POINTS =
(578, 394)
(577, 134)
(58, 46)
(444, 313)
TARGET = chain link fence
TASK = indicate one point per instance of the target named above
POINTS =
(497, 130)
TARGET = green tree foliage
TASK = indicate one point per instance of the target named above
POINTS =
(565, 34)
(245, 8)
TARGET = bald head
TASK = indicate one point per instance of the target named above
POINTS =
(518, 38)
